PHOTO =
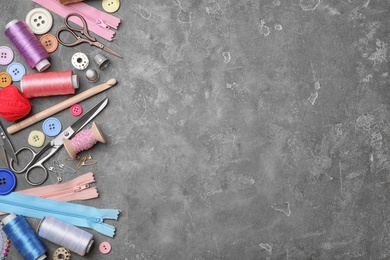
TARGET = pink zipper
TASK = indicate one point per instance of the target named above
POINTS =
(76, 189)
(101, 25)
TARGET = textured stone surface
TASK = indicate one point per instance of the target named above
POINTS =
(238, 129)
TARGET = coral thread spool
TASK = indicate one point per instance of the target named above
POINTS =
(49, 84)
(83, 141)
(28, 45)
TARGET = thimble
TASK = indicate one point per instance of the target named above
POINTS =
(92, 75)
(101, 61)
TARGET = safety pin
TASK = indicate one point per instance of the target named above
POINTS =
(53, 169)
(66, 168)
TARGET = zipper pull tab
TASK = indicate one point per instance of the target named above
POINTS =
(102, 24)
(95, 220)
(81, 187)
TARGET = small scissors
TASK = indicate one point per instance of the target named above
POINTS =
(38, 158)
(6, 147)
(84, 31)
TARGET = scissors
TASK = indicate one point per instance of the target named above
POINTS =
(6, 147)
(79, 39)
(38, 158)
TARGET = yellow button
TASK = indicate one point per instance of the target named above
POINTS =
(49, 42)
(36, 138)
(5, 79)
(111, 6)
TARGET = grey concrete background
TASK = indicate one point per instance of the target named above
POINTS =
(239, 129)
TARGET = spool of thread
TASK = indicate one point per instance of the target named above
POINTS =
(23, 237)
(28, 45)
(49, 84)
(13, 104)
(83, 141)
(66, 235)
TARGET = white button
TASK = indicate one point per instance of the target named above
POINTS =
(39, 20)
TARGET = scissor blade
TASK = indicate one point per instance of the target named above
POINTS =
(89, 115)
(6, 144)
(105, 48)
(3, 157)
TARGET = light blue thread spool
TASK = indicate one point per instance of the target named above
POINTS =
(24, 238)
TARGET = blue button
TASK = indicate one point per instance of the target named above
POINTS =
(16, 70)
(52, 126)
(7, 181)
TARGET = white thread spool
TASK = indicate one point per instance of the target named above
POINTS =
(66, 235)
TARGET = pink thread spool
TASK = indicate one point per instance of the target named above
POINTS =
(49, 84)
(84, 140)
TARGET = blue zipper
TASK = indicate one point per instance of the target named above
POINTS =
(74, 214)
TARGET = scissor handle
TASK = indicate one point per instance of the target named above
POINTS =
(83, 30)
(37, 165)
(32, 161)
(70, 44)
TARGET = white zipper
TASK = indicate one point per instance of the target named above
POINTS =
(74, 214)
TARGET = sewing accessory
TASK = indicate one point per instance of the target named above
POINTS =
(52, 126)
(101, 61)
(23, 237)
(84, 140)
(65, 168)
(5, 79)
(61, 254)
(6, 55)
(80, 61)
(7, 181)
(111, 6)
(105, 247)
(36, 138)
(56, 171)
(13, 104)
(49, 84)
(98, 21)
(4, 243)
(66, 235)
(58, 107)
(6, 147)
(16, 70)
(71, 213)
(86, 161)
(54, 145)
(76, 189)
(28, 45)
(79, 39)
(49, 42)
(65, 2)
(92, 75)
(39, 20)
(76, 109)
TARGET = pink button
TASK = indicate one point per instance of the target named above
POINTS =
(6, 55)
(76, 110)
(105, 247)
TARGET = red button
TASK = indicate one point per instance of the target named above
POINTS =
(76, 110)
(105, 247)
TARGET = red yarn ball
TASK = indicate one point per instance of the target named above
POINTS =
(13, 104)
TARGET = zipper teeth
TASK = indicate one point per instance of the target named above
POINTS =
(85, 15)
(22, 205)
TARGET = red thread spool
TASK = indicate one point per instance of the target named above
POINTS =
(13, 104)
(49, 84)
(84, 140)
